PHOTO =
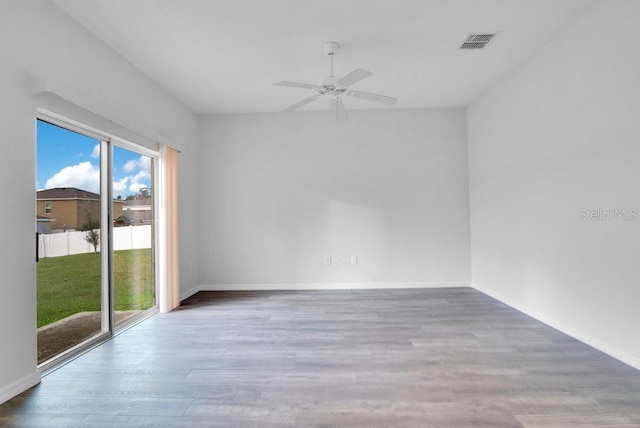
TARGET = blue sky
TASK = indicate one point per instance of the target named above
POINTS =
(69, 159)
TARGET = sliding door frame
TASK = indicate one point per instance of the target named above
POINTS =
(154, 156)
(108, 327)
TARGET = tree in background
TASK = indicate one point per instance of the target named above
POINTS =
(91, 228)
(143, 193)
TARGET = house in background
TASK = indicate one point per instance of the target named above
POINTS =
(68, 208)
(43, 224)
(138, 211)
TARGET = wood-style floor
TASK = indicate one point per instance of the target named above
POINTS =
(371, 358)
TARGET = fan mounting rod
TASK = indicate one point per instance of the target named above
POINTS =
(330, 49)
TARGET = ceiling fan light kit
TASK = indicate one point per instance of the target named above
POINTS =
(333, 87)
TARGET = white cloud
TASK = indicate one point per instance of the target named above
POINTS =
(143, 163)
(139, 171)
(135, 187)
(83, 176)
(86, 176)
(141, 175)
(139, 181)
(130, 165)
(120, 186)
(96, 151)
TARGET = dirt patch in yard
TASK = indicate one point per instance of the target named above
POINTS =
(61, 335)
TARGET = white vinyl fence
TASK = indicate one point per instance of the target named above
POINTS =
(67, 243)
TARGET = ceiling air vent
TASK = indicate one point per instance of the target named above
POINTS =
(477, 41)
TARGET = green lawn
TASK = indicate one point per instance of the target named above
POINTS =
(71, 284)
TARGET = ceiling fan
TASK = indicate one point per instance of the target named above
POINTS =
(333, 87)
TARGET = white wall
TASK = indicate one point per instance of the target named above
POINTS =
(284, 191)
(562, 134)
(42, 48)
(17, 255)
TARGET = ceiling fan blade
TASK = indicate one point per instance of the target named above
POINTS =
(301, 103)
(339, 112)
(355, 76)
(371, 97)
(298, 85)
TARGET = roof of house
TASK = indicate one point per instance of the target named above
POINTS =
(66, 193)
(43, 218)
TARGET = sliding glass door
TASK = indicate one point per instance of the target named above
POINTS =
(95, 229)
(69, 203)
(133, 234)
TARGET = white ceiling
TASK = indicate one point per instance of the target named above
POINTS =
(224, 56)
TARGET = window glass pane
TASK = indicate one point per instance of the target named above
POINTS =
(69, 287)
(133, 234)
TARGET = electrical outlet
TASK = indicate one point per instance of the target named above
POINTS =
(328, 260)
(354, 260)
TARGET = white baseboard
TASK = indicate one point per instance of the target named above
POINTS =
(331, 286)
(189, 293)
(598, 344)
(19, 386)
